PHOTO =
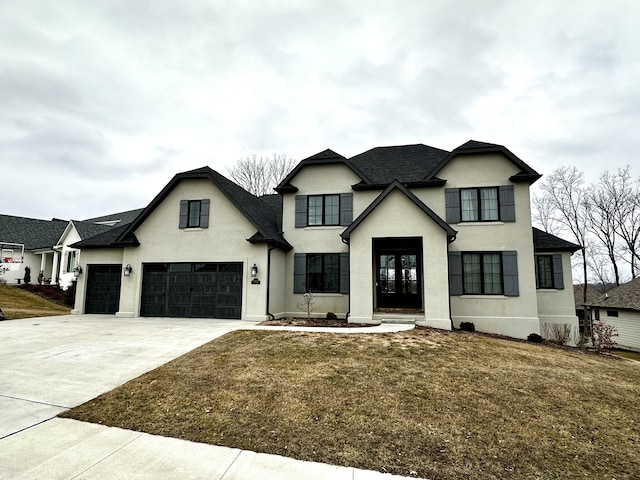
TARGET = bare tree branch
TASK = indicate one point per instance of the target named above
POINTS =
(260, 175)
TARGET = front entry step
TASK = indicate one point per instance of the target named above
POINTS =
(397, 318)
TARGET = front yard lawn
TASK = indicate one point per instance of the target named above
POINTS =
(427, 403)
(18, 303)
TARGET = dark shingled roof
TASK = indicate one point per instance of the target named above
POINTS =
(275, 203)
(88, 229)
(260, 213)
(578, 293)
(545, 242)
(108, 239)
(625, 297)
(31, 232)
(412, 165)
(121, 218)
(406, 163)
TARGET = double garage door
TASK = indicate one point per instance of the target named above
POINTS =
(206, 290)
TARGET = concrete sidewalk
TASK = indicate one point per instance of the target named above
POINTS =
(48, 365)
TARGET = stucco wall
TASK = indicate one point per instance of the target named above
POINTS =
(557, 306)
(316, 180)
(224, 241)
(398, 217)
(513, 316)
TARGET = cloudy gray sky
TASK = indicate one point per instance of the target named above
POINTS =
(103, 101)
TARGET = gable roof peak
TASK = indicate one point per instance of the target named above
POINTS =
(327, 154)
(474, 144)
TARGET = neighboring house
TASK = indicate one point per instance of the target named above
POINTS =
(76, 230)
(46, 244)
(409, 233)
(38, 237)
(620, 307)
(578, 294)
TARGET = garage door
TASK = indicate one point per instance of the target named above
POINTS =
(103, 288)
(207, 290)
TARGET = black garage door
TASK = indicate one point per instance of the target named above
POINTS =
(207, 290)
(103, 288)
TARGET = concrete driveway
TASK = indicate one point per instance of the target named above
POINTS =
(48, 365)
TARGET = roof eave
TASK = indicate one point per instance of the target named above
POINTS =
(434, 182)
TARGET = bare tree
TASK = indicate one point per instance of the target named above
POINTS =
(565, 197)
(627, 215)
(601, 206)
(260, 175)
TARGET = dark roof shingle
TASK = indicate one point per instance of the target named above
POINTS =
(545, 242)
(31, 232)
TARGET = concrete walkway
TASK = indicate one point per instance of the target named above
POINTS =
(51, 364)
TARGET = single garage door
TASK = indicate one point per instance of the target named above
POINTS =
(103, 288)
(205, 290)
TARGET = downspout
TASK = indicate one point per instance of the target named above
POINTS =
(448, 282)
(348, 314)
(269, 314)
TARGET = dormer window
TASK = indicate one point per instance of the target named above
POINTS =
(194, 213)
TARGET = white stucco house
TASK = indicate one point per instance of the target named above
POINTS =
(407, 233)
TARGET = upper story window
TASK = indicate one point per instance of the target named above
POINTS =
(549, 271)
(321, 210)
(480, 204)
(193, 216)
(194, 213)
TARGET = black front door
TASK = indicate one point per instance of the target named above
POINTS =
(103, 288)
(398, 274)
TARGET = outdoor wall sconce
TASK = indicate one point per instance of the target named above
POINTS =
(127, 270)
(77, 271)
(254, 270)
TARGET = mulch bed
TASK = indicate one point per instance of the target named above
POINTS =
(312, 322)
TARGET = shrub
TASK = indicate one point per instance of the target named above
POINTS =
(559, 333)
(535, 338)
(467, 326)
(602, 336)
(580, 338)
(331, 316)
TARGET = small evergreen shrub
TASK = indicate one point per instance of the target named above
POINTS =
(331, 316)
(534, 338)
(467, 326)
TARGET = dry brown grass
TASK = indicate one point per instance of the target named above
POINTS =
(437, 404)
(18, 303)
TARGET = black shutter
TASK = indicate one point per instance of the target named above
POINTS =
(344, 273)
(507, 203)
(558, 278)
(184, 213)
(452, 204)
(510, 273)
(535, 262)
(204, 213)
(301, 211)
(346, 208)
(299, 273)
(455, 273)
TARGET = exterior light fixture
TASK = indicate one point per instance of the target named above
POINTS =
(77, 271)
(254, 270)
(127, 270)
